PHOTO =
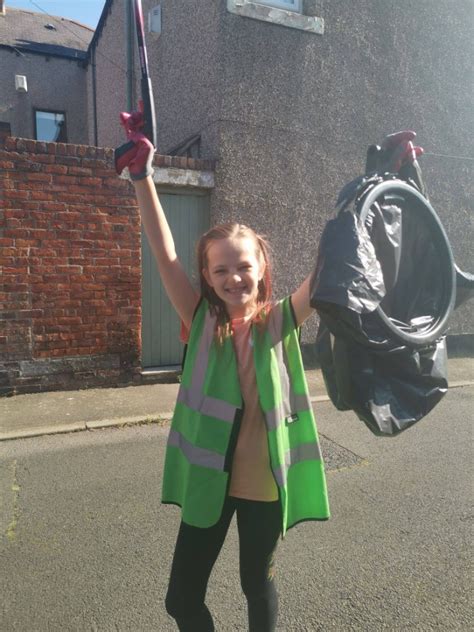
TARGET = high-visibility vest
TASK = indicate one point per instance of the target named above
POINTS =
(207, 419)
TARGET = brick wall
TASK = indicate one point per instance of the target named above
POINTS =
(70, 298)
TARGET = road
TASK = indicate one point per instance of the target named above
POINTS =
(86, 545)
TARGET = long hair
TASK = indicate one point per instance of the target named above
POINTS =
(262, 251)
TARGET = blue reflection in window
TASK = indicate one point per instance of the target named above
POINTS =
(51, 126)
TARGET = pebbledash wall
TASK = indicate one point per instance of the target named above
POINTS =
(70, 261)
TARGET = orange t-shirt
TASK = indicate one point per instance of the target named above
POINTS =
(251, 476)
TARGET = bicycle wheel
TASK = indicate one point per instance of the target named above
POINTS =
(422, 294)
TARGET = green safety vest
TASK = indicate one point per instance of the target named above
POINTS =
(207, 418)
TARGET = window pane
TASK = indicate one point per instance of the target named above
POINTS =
(5, 130)
(289, 5)
(50, 126)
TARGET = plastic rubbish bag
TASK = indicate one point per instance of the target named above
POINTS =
(384, 287)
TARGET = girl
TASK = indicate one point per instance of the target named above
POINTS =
(243, 438)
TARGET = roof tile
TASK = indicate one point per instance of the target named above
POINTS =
(27, 31)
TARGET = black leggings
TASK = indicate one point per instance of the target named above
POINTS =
(259, 526)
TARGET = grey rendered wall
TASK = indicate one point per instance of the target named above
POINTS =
(53, 84)
(186, 71)
(288, 115)
(111, 65)
(298, 111)
(183, 67)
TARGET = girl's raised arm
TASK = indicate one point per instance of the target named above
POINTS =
(180, 291)
(137, 155)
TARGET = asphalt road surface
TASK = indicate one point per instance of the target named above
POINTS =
(86, 546)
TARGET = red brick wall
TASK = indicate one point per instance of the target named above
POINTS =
(70, 267)
(70, 293)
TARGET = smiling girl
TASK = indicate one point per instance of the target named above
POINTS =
(243, 438)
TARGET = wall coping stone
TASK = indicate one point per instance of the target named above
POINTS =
(184, 178)
(27, 145)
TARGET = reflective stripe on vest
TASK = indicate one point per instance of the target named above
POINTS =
(206, 405)
(286, 412)
(302, 452)
(215, 461)
(291, 402)
(195, 455)
(194, 397)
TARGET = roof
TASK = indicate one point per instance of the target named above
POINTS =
(44, 34)
(100, 26)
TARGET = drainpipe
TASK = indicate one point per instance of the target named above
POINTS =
(94, 98)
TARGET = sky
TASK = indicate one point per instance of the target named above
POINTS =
(84, 11)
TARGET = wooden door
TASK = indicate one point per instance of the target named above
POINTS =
(188, 217)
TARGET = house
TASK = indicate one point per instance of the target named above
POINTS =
(43, 76)
(263, 113)
(286, 95)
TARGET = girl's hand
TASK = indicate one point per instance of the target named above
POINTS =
(399, 150)
(137, 154)
(132, 122)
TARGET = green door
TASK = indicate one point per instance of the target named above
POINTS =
(188, 217)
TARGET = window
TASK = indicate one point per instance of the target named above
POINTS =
(289, 5)
(293, 14)
(50, 126)
(5, 130)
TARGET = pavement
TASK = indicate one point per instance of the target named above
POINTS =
(69, 411)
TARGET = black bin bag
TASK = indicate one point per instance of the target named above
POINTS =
(384, 287)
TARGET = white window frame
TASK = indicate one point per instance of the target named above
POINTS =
(295, 6)
(268, 12)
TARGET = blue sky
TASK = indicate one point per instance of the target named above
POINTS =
(85, 11)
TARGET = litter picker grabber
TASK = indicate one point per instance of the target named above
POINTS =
(146, 119)
(149, 126)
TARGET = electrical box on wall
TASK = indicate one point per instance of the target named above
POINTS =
(154, 20)
(20, 83)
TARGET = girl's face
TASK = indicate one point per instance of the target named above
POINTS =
(233, 271)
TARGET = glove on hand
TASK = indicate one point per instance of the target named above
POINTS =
(398, 150)
(397, 155)
(137, 154)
